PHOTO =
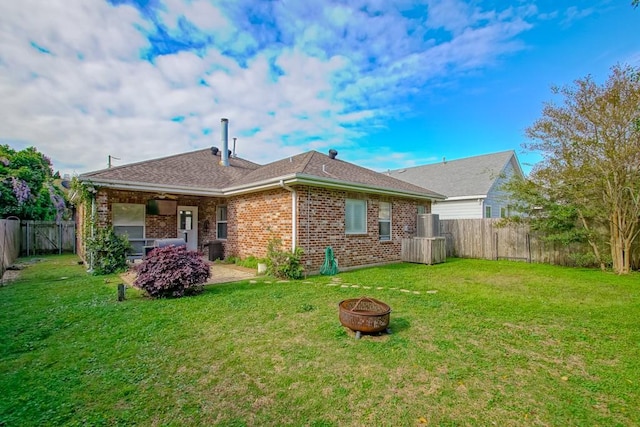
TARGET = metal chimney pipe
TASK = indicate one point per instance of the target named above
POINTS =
(225, 141)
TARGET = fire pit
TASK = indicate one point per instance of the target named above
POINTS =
(364, 314)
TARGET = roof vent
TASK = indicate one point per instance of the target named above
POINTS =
(214, 151)
(332, 153)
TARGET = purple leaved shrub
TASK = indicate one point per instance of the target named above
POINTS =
(172, 271)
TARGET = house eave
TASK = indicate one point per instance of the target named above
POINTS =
(150, 187)
(350, 186)
(473, 197)
(272, 183)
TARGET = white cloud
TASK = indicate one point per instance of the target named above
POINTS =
(181, 69)
(574, 13)
(452, 15)
(315, 76)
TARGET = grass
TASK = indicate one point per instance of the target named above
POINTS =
(474, 343)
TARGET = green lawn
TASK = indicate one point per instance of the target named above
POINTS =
(474, 343)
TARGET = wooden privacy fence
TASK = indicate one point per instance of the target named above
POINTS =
(47, 237)
(485, 239)
(9, 243)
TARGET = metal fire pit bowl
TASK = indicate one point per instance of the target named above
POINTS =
(364, 314)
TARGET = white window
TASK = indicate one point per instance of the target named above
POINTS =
(355, 216)
(422, 209)
(128, 220)
(221, 222)
(384, 221)
(487, 211)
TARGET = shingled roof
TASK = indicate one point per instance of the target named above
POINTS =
(471, 176)
(200, 173)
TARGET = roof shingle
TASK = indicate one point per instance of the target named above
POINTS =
(456, 178)
(200, 169)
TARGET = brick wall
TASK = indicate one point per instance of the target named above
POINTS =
(253, 219)
(321, 223)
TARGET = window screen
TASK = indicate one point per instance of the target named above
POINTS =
(355, 216)
(128, 220)
(221, 222)
(384, 221)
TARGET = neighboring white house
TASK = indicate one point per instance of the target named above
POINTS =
(472, 185)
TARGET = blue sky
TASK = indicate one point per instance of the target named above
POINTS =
(389, 84)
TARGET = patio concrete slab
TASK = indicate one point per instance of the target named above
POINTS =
(220, 273)
(224, 273)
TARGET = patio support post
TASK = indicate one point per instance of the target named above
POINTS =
(93, 229)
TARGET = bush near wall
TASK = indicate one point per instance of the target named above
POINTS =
(172, 271)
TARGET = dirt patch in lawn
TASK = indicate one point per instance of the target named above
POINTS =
(9, 276)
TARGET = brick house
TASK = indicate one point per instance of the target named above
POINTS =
(310, 200)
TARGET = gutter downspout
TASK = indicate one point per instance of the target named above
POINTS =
(294, 214)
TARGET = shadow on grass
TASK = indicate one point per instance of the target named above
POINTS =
(398, 324)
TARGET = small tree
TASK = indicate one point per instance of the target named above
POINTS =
(172, 271)
(557, 220)
(284, 264)
(109, 251)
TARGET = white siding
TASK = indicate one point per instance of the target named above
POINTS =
(495, 207)
(497, 198)
(458, 209)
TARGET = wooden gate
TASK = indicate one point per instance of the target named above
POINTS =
(47, 237)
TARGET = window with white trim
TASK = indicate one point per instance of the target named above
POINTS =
(128, 220)
(422, 209)
(384, 221)
(355, 216)
(221, 222)
(487, 211)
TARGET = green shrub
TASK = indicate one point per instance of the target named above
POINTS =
(284, 264)
(228, 260)
(172, 271)
(109, 251)
(249, 262)
(588, 259)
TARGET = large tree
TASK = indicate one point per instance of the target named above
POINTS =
(591, 161)
(27, 190)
